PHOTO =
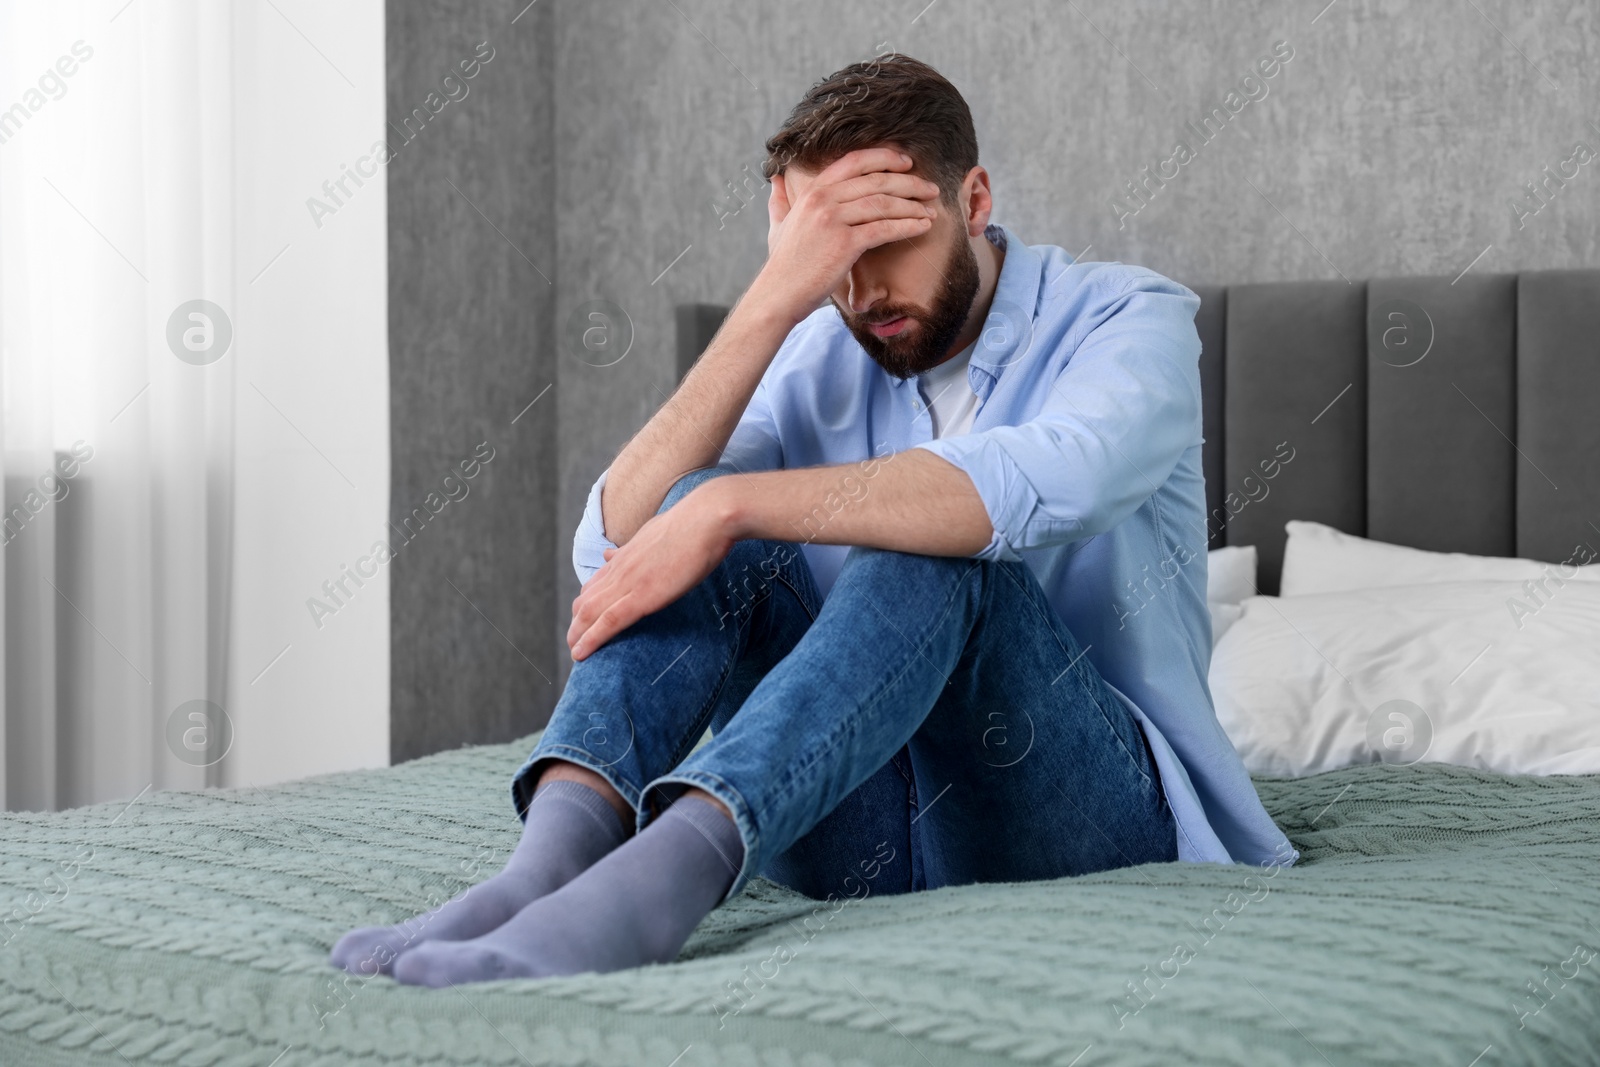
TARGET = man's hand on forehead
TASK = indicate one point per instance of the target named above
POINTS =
(819, 225)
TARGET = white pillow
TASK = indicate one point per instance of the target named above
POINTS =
(1494, 679)
(1223, 616)
(1231, 574)
(1320, 559)
(1230, 577)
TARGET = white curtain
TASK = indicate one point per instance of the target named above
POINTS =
(116, 211)
(193, 395)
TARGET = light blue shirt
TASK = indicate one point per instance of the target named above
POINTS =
(1086, 453)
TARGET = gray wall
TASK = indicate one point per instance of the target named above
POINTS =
(1393, 142)
(471, 228)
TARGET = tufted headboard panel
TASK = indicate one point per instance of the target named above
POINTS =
(1455, 416)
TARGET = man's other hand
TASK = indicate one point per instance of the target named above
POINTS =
(672, 552)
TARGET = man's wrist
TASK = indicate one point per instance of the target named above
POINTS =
(723, 505)
(766, 300)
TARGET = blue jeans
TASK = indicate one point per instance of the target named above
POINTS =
(932, 723)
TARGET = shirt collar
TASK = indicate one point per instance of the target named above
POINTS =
(1007, 332)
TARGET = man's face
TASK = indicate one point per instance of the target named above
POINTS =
(907, 301)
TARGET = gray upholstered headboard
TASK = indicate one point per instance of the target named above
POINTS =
(1455, 416)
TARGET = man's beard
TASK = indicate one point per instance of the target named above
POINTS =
(936, 327)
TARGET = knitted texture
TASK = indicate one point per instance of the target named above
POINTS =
(192, 929)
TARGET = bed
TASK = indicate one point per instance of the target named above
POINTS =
(1439, 914)
(195, 927)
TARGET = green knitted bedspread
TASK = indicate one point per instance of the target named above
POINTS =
(1439, 916)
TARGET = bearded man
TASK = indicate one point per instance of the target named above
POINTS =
(877, 542)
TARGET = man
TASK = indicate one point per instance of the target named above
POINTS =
(928, 560)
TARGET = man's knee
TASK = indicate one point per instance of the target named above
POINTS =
(685, 484)
(892, 565)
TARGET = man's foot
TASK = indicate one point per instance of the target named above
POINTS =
(569, 826)
(638, 905)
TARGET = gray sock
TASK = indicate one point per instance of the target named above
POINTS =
(569, 826)
(638, 905)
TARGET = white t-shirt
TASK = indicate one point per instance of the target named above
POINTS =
(950, 400)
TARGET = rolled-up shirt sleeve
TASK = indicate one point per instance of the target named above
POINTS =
(1118, 418)
(753, 445)
(590, 542)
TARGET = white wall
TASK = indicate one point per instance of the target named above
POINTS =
(313, 477)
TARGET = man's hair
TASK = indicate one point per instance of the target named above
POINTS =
(891, 98)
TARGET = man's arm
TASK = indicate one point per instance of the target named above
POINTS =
(693, 427)
(912, 501)
(865, 199)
